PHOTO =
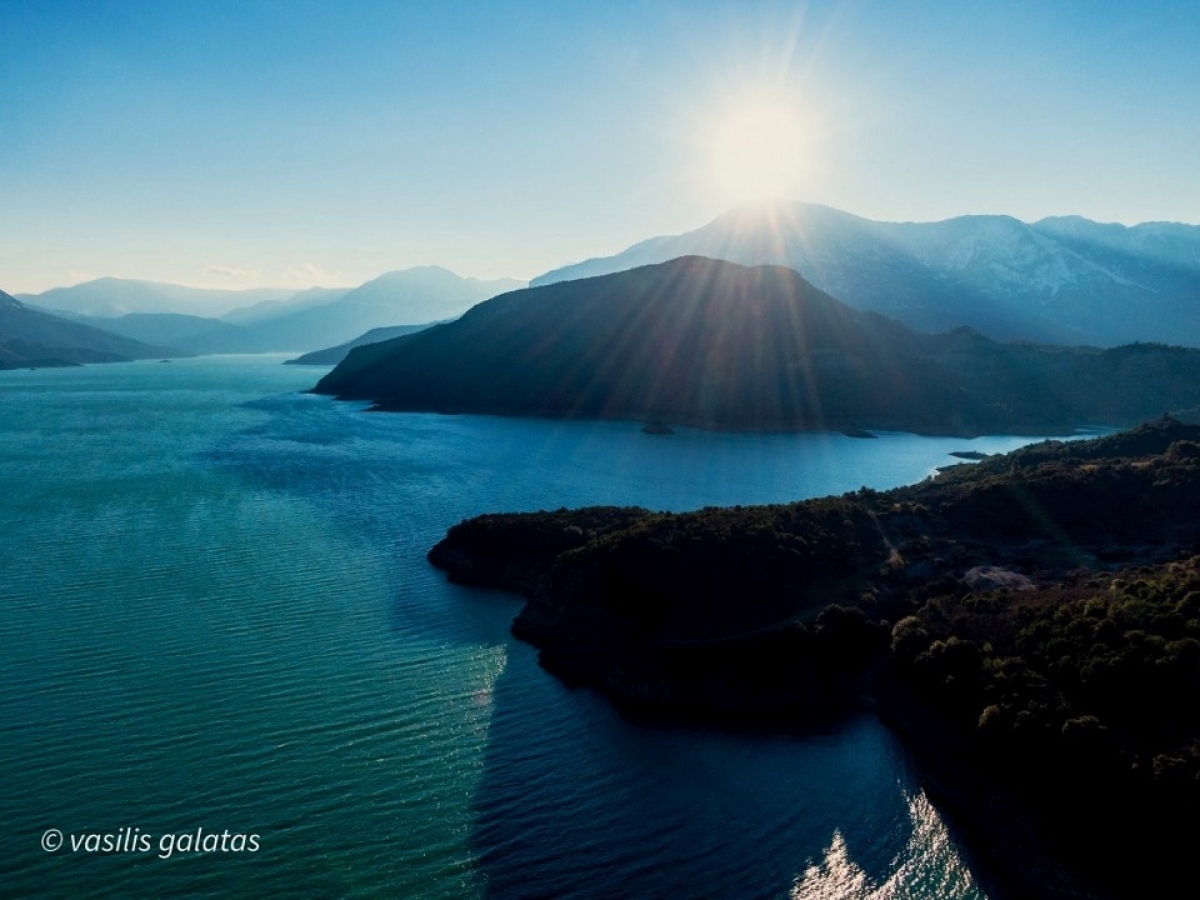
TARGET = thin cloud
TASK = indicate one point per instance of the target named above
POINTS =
(308, 275)
(233, 272)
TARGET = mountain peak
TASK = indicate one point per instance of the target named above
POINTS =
(710, 343)
(1062, 280)
(416, 271)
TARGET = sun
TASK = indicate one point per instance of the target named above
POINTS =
(757, 150)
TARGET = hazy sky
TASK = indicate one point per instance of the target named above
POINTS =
(293, 143)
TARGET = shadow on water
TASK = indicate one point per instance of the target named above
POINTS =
(573, 799)
(577, 801)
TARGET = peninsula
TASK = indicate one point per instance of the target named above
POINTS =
(1029, 624)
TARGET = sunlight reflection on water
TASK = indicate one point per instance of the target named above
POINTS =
(927, 867)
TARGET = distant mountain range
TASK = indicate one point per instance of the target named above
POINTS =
(415, 296)
(110, 298)
(1060, 280)
(266, 320)
(29, 338)
(702, 342)
(1066, 281)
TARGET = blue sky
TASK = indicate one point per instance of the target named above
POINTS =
(295, 143)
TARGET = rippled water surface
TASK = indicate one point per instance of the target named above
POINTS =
(216, 615)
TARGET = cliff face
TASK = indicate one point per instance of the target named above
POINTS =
(1037, 611)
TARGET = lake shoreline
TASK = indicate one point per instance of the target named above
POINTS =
(585, 609)
(1050, 430)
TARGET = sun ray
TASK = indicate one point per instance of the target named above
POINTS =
(757, 148)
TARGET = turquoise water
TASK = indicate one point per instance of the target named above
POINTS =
(217, 615)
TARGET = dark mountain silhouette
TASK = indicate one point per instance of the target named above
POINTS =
(702, 342)
(331, 356)
(1067, 281)
(32, 338)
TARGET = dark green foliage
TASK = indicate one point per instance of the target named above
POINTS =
(1085, 701)
(846, 634)
(543, 534)
(718, 571)
(1129, 488)
(1045, 610)
(952, 670)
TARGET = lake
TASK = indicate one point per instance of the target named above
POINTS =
(219, 623)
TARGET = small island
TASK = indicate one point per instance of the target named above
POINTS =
(1029, 624)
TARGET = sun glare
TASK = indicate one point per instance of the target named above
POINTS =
(757, 151)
